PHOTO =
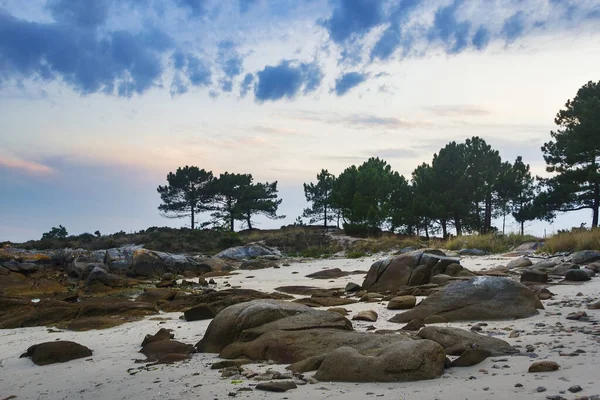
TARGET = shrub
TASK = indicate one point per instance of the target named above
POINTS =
(576, 240)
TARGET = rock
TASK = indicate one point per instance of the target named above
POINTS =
(456, 341)
(471, 357)
(562, 268)
(154, 264)
(308, 364)
(520, 262)
(577, 275)
(545, 264)
(340, 310)
(591, 273)
(594, 306)
(575, 389)
(540, 389)
(534, 275)
(352, 287)
(156, 295)
(199, 312)
(316, 301)
(162, 334)
(543, 366)
(434, 319)
(230, 363)
(251, 250)
(402, 303)
(529, 247)
(480, 298)
(156, 350)
(472, 252)
(99, 275)
(333, 273)
(401, 361)
(226, 327)
(413, 325)
(279, 386)
(414, 268)
(585, 257)
(257, 264)
(367, 315)
(56, 352)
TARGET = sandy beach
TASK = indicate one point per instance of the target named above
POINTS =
(111, 372)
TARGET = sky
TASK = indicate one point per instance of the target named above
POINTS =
(101, 99)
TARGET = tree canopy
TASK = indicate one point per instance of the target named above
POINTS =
(573, 157)
(320, 196)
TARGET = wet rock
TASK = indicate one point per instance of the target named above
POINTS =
(56, 352)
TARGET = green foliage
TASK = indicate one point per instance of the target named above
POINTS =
(356, 254)
(573, 157)
(320, 195)
(188, 192)
(55, 233)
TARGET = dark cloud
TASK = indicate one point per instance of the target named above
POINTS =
(452, 33)
(118, 62)
(481, 38)
(77, 12)
(513, 27)
(353, 17)
(393, 37)
(287, 80)
(190, 71)
(246, 84)
(229, 59)
(348, 81)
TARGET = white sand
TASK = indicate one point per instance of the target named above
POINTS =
(105, 376)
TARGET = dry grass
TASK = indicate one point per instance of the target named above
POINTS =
(384, 243)
(490, 243)
(575, 240)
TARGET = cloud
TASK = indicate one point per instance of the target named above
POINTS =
(276, 131)
(353, 18)
(82, 13)
(357, 120)
(197, 8)
(190, 71)
(287, 80)
(481, 38)
(229, 59)
(457, 110)
(246, 84)
(348, 81)
(26, 166)
(513, 27)
(452, 33)
(393, 38)
(396, 153)
(119, 62)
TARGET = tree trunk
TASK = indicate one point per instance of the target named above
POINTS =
(522, 228)
(248, 221)
(595, 206)
(457, 226)
(193, 217)
(504, 222)
(325, 218)
(487, 219)
(427, 229)
(444, 228)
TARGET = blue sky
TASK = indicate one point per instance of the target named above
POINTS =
(100, 99)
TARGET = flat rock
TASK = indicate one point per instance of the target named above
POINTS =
(402, 303)
(456, 341)
(333, 273)
(277, 386)
(366, 315)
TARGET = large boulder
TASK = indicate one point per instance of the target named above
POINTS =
(401, 361)
(408, 269)
(481, 298)
(251, 250)
(154, 264)
(455, 341)
(585, 257)
(227, 326)
(56, 352)
(520, 262)
(100, 275)
(577, 275)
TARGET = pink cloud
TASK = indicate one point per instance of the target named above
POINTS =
(29, 167)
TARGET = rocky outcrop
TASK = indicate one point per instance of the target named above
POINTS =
(251, 250)
(411, 269)
(585, 257)
(481, 298)
(56, 352)
(455, 341)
